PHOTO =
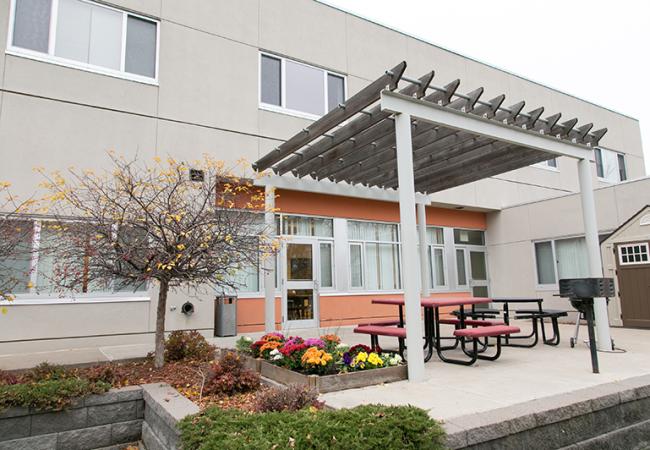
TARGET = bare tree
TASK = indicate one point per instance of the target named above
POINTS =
(194, 226)
(15, 244)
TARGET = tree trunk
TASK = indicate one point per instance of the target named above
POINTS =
(159, 355)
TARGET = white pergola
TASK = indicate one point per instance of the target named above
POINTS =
(417, 142)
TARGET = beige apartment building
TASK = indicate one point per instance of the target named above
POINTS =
(234, 78)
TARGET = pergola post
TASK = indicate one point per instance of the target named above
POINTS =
(424, 248)
(410, 258)
(269, 263)
(603, 336)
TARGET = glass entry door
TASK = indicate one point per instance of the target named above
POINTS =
(300, 290)
(478, 273)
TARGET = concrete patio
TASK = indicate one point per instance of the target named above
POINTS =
(520, 374)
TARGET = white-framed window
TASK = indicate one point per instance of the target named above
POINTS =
(297, 88)
(560, 258)
(633, 254)
(35, 270)
(374, 256)
(462, 280)
(550, 164)
(610, 165)
(437, 259)
(86, 35)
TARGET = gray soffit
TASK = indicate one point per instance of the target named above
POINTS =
(355, 142)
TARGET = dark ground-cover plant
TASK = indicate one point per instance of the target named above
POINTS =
(51, 394)
(46, 371)
(228, 376)
(292, 398)
(188, 345)
(363, 427)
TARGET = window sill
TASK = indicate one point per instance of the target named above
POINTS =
(548, 168)
(31, 301)
(288, 112)
(22, 53)
(547, 287)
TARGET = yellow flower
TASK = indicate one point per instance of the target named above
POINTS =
(362, 357)
(375, 359)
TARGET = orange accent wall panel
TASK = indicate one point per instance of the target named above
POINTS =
(296, 202)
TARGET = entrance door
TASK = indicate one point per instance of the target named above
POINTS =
(300, 290)
(478, 273)
(633, 271)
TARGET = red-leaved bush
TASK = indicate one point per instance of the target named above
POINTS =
(228, 376)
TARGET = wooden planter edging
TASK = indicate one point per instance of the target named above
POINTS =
(327, 383)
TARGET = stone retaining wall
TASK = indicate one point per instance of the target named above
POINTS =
(164, 408)
(96, 421)
(613, 415)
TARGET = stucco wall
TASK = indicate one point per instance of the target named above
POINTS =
(511, 232)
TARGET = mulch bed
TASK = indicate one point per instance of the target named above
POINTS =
(184, 376)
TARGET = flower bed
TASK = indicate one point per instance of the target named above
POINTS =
(324, 364)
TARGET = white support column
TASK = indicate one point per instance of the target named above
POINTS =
(269, 263)
(603, 336)
(410, 259)
(424, 248)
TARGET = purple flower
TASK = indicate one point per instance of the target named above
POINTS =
(314, 342)
(347, 359)
(294, 340)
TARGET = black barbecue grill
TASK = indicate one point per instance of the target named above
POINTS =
(581, 292)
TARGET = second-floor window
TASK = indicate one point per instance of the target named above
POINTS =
(86, 35)
(296, 87)
(610, 165)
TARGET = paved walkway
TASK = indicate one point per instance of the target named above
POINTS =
(520, 375)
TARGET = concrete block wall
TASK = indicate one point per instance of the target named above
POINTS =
(97, 421)
(164, 408)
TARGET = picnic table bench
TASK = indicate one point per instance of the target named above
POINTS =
(432, 320)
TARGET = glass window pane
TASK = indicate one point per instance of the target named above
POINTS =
(438, 268)
(271, 84)
(356, 268)
(299, 262)
(335, 91)
(388, 257)
(305, 88)
(599, 162)
(326, 264)
(435, 235)
(140, 57)
(372, 267)
(621, 167)
(469, 237)
(461, 271)
(247, 279)
(73, 30)
(572, 259)
(480, 291)
(552, 162)
(307, 226)
(105, 38)
(545, 263)
(15, 270)
(478, 266)
(32, 24)
(300, 304)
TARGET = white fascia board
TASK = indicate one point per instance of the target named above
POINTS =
(398, 103)
(330, 188)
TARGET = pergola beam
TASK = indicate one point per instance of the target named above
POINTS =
(481, 126)
(347, 134)
(362, 99)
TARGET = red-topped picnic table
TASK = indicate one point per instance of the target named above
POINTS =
(432, 322)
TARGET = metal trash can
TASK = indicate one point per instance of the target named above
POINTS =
(225, 316)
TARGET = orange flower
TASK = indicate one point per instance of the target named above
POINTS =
(270, 345)
(331, 338)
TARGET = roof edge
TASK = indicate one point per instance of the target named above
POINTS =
(476, 60)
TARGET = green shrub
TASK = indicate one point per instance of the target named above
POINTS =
(46, 371)
(51, 394)
(181, 345)
(363, 427)
(228, 376)
(292, 398)
(243, 345)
